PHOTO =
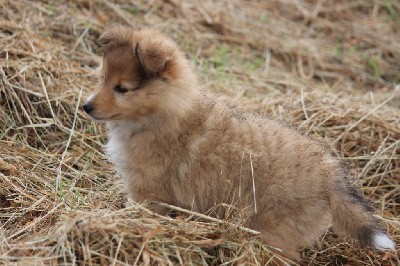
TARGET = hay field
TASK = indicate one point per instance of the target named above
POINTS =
(330, 67)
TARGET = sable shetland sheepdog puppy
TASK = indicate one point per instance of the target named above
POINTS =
(173, 143)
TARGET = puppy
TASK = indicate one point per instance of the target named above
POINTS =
(173, 143)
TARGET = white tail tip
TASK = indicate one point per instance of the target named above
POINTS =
(382, 242)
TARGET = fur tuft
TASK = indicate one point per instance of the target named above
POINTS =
(382, 242)
(352, 215)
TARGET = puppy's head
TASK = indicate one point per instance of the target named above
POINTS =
(143, 73)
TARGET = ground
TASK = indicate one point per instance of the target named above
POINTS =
(330, 67)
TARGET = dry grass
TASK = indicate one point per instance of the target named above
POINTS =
(329, 67)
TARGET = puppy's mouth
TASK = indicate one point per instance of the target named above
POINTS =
(100, 119)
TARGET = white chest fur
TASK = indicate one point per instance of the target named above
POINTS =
(120, 144)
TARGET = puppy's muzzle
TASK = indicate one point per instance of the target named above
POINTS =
(88, 107)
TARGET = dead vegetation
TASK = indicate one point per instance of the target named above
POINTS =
(327, 66)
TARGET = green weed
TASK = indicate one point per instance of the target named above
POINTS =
(50, 10)
(132, 9)
(265, 18)
(393, 15)
(372, 61)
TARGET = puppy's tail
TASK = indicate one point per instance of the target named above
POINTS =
(352, 215)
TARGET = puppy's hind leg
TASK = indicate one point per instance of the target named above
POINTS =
(294, 231)
(284, 245)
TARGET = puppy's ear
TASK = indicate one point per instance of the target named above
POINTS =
(115, 35)
(154, 52)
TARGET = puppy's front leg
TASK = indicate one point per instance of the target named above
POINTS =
(150, 200)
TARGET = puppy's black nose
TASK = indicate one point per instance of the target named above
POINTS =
(88, 107)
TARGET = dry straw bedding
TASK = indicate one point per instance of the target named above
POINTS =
(329, 67)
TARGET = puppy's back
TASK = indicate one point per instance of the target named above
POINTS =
(290, 185)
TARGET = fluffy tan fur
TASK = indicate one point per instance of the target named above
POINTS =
(173, 143)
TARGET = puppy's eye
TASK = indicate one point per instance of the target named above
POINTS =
(120, 89)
